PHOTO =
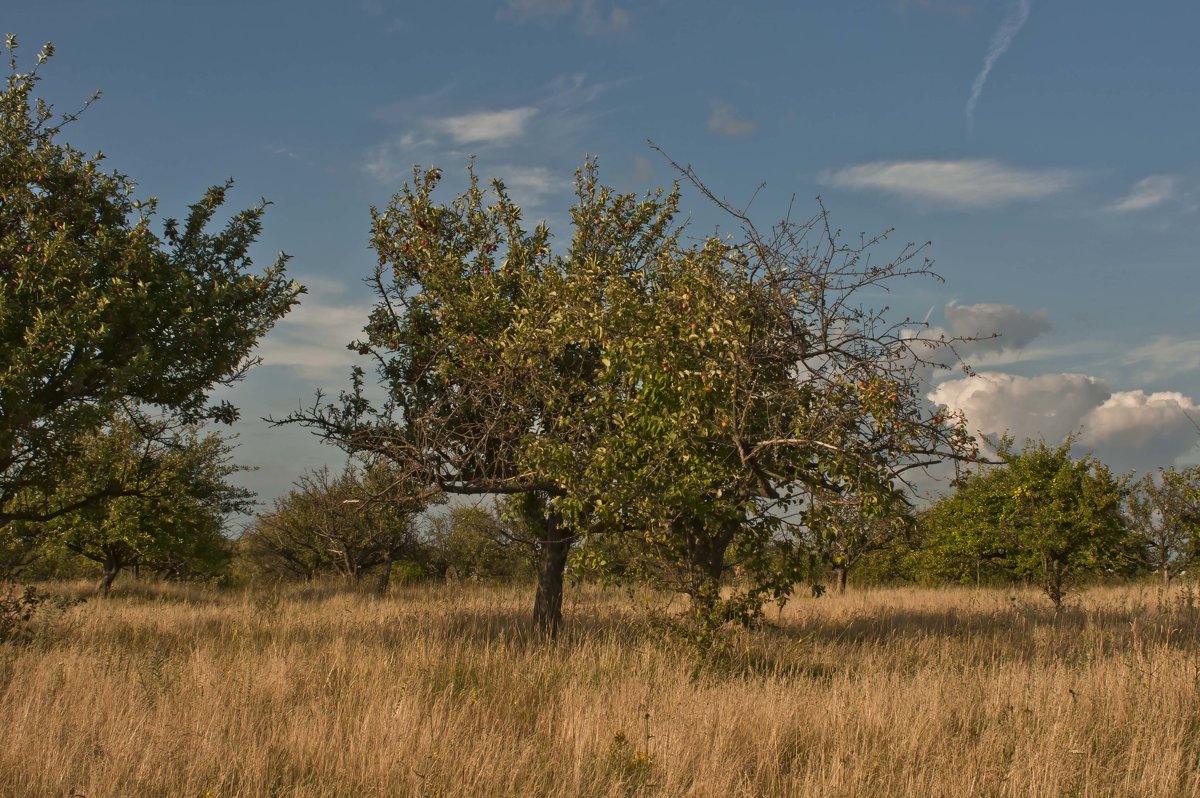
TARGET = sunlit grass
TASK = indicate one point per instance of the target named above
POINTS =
(442, 691)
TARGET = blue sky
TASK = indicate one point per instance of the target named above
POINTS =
(1046, 148)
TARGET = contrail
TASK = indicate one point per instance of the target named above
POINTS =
(1000, 42)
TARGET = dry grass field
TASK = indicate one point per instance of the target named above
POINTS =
(439, 692)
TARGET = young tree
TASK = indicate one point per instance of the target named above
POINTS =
(348, 524)
(172, 517)
(846, 528)
(98, 315)
(1165, 512)
(1043, 515)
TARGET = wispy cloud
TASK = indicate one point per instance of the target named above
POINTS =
(966, 184)
(1147, 193)
(486, 127)
(529, 185)
(1001, 40)
(954, 8)
(1165, 356)
(592, 17)
(311, 340)
(723, 120)
(436, 128)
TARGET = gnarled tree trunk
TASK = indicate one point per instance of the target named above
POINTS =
(552, 564)
(112, 566)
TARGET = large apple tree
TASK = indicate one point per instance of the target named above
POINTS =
(667, 403)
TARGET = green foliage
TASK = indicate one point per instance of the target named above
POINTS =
(1164, 511)
(346, 525)
(170, 521)
(474, 544)
(672, 403)
(1042, 516)
(99, 314)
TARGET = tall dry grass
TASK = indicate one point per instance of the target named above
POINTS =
(439, 692)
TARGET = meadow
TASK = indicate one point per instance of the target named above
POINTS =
(440, 691)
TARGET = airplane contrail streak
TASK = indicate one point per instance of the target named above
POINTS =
(1000, 42)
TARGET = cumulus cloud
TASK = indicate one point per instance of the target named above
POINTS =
(1147, 193)
(963, 184)
(1134, 429)
(1011, 327)
(723, 120)
(1013, 21)
(1049, 405)
(486, 127)
(992, 334)
(1126, 429)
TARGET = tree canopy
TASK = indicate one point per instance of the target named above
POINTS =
(679, 397)
(99, 316)
(171, 517)
(1041, 515)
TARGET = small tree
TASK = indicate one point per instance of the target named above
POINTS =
(1165, 512)
(474, 543)
(844, 529)
(1041, 515)
(348, 525)
(172, 518)
(99, 315)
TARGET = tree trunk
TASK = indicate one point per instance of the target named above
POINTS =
(385, 573)
(552, 564)
(839, 578)
(1166, 575)
(112, 567)
(1054, 573)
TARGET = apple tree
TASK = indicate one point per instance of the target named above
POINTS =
(100, 317)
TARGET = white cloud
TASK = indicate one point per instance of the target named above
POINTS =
(723, 120)
(966, 184)
(529, 185)
(1147, 193)
(312, 338)
(1049, 405)
(1133, 429)
(486, 127)
(1127, 429)
(1165, 356)
(1001, 40)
